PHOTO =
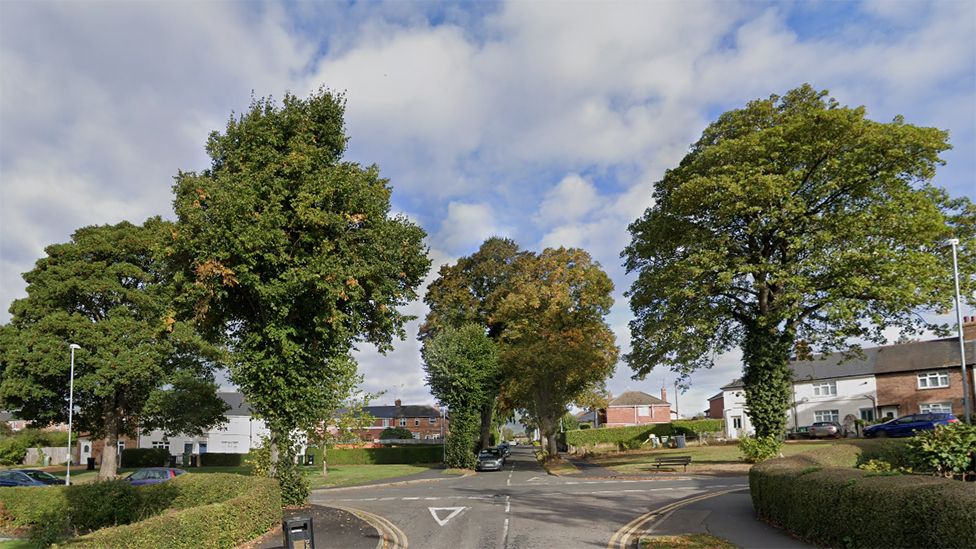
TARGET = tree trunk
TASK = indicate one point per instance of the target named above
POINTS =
(108, 469)
(325, 461)
(486, 416)
(274, 455)
(767, 378)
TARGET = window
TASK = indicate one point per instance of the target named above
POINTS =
(643, 410)
(826, 415)
(825, 389)
(403, 422)
(229, 446)
(867, 414)
(416, 436)
(386, 423)
(936, 408)
(416, 422)
(432, 420)
(931, 380)
(160, 444)
(427, 436)
(736, 422)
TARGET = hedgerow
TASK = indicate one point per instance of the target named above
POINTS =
(821, 498)
(634, 436)
(378, 456)
(145, 457)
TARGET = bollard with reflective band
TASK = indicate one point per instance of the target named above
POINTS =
(298, 533)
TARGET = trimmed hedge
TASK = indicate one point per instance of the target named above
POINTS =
(49, 514)
(216, 459)
(380, 456)
(624, 436)
(145, 457)
(253, 510)
(823, 499)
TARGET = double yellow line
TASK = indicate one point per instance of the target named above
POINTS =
(391, 537)
(621, 539)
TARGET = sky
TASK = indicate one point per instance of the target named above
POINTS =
(546, 122)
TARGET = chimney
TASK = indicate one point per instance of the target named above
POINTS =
(969, 328)
(664, 394)
(397, 402)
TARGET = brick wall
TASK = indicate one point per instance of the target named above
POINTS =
(716, 408)
(902, 389)
(627, 415)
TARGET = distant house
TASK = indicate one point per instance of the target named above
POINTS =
(638, 408)
(239, 435)
(880, 382)
(716, 405)
(423, 421)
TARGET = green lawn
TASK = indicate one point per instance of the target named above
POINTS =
(691, 541)
(702, 457)
(339, 475)
(17, 544)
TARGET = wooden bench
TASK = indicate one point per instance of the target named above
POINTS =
(672, 461)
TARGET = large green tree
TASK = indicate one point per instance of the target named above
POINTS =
(470, 291)
(292, 257)
(462, 372)
(107, 290)
(793, 224)
(556, 347)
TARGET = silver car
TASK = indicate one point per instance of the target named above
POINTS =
(490, 459)
(824, 429)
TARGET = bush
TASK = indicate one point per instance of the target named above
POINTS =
(701, 425)
(822, 499)
(144, 457)
(947, 451)
(380, 456)
(254, 508)
(756, 449)
(222, 460)
(395, 433)
(13, 450)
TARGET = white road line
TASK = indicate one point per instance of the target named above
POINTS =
(386, 499)
(410, 499)
(432, 499)
(505, 537)
(508, 503)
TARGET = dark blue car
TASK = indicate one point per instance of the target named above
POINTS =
(152, 475)
(28, 477)
(906, 426)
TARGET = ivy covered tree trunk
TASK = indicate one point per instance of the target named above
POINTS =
(462, 439)
(487, 411)
(766, 354)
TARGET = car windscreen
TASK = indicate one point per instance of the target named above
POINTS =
(40, 475)
(490, 453)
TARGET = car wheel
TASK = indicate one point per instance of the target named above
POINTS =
(881, 434)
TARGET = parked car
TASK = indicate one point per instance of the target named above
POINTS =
(802, 431)
(28, 477)
(490, 459)
(824, 429)
(906, 426)
(505, 448)
(152, 475)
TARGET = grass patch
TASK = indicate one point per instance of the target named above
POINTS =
(560, 467)
(459, 472)
(351, 475)
(691, 541)
(702, 457)
(17, 544)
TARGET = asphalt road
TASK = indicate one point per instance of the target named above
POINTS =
(519, 507)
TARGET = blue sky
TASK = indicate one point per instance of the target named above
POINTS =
(547, 122)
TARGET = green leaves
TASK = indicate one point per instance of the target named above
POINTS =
(799, 218)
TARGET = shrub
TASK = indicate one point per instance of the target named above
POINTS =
(222, 460)
(756, 449)
(701, 425)
(145, 457)
(254, 508)
(948, 451)
(833, 506)
(382, 456)
(13, 450)
(396, 433)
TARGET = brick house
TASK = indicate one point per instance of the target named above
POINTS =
(424, 422)
(716, 406)
(638, 408)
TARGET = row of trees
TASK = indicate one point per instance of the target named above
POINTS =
(282, 257)
(512, 330)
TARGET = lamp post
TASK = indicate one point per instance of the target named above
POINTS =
(966, 401)
(443, 442)
(71, 408)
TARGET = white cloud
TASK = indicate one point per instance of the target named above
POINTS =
(467, 225)
(570, 200)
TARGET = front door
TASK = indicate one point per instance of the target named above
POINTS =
(85, 451)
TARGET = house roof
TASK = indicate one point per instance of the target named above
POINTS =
(237, 405)
(637, 398)
(409, 410)
(737, 383)
(719, 395)
(585, 416)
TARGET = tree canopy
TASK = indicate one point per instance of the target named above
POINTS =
(793, 224)
(556, 346)
(291, 255)
(109, 291)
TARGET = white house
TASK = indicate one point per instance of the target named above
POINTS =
(239, 435)
(737, 421)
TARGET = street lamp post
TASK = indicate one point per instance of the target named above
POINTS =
(966, 394)
(443, 442)
(71, 408)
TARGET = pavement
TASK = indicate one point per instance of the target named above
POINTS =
(523, 507)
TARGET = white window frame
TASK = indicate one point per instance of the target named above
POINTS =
(416, 422)
(933, 380)
(403, 422)
(736, 422)
(160, 444)
(432, 420)
(643, 411)
(229, 446)
(935, 408)
(386, 423)
(826, 415)
(416, 435)
(826, 388)
(866, 411)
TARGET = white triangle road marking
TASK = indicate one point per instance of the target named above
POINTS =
(454, 511)
(534, 478)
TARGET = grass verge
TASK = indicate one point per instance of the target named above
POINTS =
(351, 475)
(691, 541)
(703, 458)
